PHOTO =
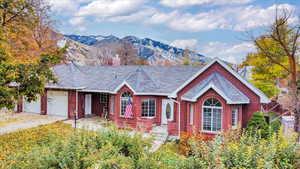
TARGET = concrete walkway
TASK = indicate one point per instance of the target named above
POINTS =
(15, 122)
(159, 133)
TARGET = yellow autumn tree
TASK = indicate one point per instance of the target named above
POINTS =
(27, 49)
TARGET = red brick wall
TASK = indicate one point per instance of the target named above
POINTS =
(81, 105)
(96, 107)
(121, 121)
(246, 110)
(71, 104)
(137, 121)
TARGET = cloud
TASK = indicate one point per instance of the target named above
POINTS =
(64, 6)
(134, 17)
(184, 3)
(234, 53)
(158, 17)
(235, 18)
(191, 44)
(253, 16)
(77, 21)
(110, 8)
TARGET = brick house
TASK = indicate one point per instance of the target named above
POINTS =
(207, 99)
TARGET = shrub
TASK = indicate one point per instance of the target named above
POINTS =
(105, 150)
(247, 151)
(258, 125)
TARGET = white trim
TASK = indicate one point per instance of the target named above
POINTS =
(96, 91)
(126, 99)
(191, 113)
(67, 88)
(121, 85)
(263, 97)
(236, 119)
(152, 94)
(148, 99)
(135, 93)
(221, 93)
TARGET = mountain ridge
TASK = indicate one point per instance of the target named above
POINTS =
(148, 49)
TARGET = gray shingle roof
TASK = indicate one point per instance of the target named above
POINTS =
(143, 79)
(221, 85)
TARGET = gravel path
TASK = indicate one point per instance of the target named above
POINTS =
(27, 120)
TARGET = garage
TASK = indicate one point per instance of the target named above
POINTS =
(33, 107)
(57, 103)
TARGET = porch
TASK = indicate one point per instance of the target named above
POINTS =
(148, 112)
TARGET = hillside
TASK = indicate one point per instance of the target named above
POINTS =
(92, 49)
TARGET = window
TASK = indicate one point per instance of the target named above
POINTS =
(104, 98)
(212, 115)
(125, 97)
(169, 112)
(148, 108)
(112, 104)
(191, 114)
(234, 117)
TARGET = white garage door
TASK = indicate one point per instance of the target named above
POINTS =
(57, 103)
(33, 107)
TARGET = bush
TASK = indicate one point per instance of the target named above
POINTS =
(105, 150)
(258, 125)
(246, 151)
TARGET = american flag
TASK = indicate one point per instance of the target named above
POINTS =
(128, 110)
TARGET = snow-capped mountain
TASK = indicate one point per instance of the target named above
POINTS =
(146, 48)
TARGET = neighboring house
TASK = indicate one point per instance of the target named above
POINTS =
(205, 99)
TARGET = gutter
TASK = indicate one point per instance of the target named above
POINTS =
(67, 88)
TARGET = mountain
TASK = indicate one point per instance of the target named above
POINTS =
(148, 49)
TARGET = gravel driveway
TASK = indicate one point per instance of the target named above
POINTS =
(10, 122)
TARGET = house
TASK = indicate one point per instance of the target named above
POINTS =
(207, 99)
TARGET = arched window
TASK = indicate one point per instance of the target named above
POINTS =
(125, 97)
(212, 115)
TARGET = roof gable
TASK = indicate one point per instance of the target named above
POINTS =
(263, 97)
(221, 85)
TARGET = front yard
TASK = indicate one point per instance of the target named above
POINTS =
(14, 146)
(60, 146)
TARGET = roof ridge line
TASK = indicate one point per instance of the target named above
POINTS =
(138, 76)
(155, 85)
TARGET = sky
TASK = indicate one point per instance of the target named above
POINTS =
(214, 28)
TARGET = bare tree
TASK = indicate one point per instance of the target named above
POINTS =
(127, 54)
(286, 36)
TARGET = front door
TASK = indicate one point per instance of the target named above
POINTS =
(88, 104)
(167, 111)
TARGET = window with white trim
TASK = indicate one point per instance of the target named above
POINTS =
(191, 114)
(125, 97)
(148, 108)
(212, 115)
(112, 104)
(234, 117)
